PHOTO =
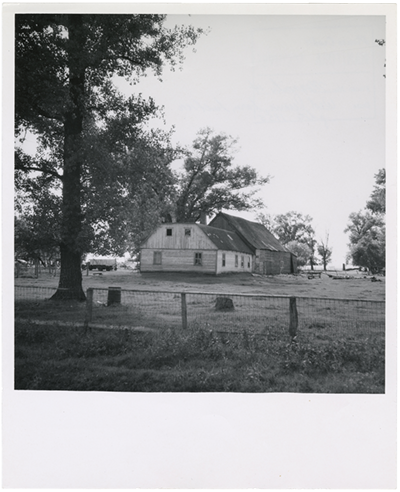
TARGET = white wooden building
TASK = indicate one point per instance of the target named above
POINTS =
(176, 247)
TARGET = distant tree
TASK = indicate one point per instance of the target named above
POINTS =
(324, 251)
(65, 66)
(367, 229)
(267, 220)
(37, 221)
(367, 240)
(301, 250)
(377, 202)
(369, 251)
(293, 226)
(210, 182)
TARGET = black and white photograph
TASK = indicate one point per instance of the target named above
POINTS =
(200, 209)
(217, 227)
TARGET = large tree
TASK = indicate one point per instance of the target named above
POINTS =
(367, 240)
(367, 229)
(293, 226)
(210, 181)
(65, 67)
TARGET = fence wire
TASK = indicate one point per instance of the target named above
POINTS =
(323, 319)
(32, 293)
(138, 309)
(35, 271)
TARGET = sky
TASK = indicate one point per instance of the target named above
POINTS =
(305, 97)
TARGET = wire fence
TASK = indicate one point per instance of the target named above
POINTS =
(323, 319)
(35, 271)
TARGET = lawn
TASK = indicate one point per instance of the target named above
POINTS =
(50, 358)
(357, 286)
(340, 347)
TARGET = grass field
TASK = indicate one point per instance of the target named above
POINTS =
(356, 287)
(50, 358)
(340, 345)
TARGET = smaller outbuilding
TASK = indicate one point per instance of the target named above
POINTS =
(177, 247)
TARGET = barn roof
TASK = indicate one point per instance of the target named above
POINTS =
(256, 235)
(225, 240)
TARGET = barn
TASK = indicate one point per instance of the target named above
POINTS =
(227, 244)
(176, 247)
(270, 256)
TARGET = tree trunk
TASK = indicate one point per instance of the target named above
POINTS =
(70, 286)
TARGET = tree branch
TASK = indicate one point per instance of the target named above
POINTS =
(42, 170)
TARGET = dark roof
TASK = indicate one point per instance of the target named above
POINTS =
(256, 235)
(225, 240)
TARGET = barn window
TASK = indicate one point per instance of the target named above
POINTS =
(188, 232)
(236, 260)
(248, 262)
(198, 259)
(242, 261)
(157, 258)
(169, 232)
(223, 259)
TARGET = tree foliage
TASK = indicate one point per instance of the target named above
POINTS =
(293, 226)
(293, 229)
(377, 201)
(65, 67)
(301, 250)
(367, 230)
(210, 182)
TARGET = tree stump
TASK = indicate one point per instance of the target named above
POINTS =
(224, 304)
(114, 296)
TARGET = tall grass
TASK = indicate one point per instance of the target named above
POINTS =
(51, 358)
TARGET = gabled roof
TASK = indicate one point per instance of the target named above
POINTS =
(256, 235)
(225, 240)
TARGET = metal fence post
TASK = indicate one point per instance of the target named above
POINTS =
(184, 310)
(89, 308)
(293, 317)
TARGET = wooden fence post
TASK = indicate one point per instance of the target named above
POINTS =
(89, 308)
(184, 310)
(114, 296)
(293, 317)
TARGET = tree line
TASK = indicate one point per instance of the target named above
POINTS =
(294, 230)
(366, 229)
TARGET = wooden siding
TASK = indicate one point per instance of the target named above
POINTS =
(230, 262)
(174, 260)
(273, 262)
(178, 240)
